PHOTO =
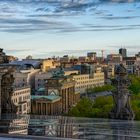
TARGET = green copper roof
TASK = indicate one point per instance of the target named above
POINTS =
(48, 97)
(41, 89)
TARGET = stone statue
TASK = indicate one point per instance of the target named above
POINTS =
(6, 93)
(121, 96)
(59, 73)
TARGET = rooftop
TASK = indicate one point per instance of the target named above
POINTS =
(48, 97)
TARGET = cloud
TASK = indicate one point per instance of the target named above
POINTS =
(64, 16)
(17, 50)
(119, 17)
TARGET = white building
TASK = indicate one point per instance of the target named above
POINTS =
(85, 81)
(22, 99)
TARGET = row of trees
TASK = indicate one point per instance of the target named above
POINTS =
(92, 109)
(134, 87)
(101, 107)
(135, 84)
(100, 89)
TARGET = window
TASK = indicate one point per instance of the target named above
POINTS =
(20, 108)
(24, 107)
(20, 99)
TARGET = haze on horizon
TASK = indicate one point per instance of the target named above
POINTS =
(44, 28)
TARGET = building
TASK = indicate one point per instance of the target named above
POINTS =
(48, 64)
(46, 105)
(130, 64)
(123, 52)
(85, 69)
(85, 81)
(83, 59)
(21, 98)
(108, 72)
(25, 77)
(59, 98)
(40, 79)
(92, 55)
(114, 59)
(65, 59)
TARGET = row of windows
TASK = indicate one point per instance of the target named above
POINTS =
(85, 86)
(20, 99)
(21, 92)
(81, 78)
(87, 78)
(85, 82)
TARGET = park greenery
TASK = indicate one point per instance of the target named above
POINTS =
(101, 106)
(100, 89)
(92, 109)
(135, 84)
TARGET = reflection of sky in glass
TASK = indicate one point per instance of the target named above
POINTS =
(37, 27)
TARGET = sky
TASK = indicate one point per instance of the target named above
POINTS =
(45, 28)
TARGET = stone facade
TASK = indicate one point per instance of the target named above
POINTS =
(60, 96)
(85, 81)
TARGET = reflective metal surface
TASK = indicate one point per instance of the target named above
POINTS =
(68, 127)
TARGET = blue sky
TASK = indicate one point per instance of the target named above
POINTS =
(45, 28)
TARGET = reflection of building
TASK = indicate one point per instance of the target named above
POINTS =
(43, 127)
(60, 96)
(12, 124)
(67, 128)
(61, 127)
(123, 130)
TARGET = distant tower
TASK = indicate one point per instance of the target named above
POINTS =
(121, 96)
(102, 51)
(123, 52)
(92, 55)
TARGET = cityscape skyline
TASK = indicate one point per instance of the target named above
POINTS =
(46, 28)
